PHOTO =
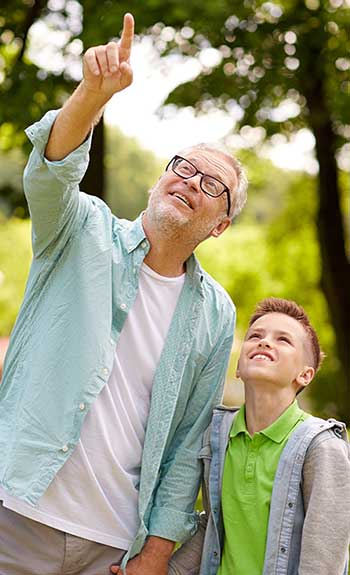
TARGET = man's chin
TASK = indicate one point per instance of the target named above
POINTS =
(171, 218)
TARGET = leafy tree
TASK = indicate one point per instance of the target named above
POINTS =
(27, 90)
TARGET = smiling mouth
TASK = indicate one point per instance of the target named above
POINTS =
(261, 356)
(182, 199)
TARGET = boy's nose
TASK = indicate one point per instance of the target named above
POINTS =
(264, 343)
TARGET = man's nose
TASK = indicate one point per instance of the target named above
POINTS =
(194, 182)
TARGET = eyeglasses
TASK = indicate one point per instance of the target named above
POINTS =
(209, 185)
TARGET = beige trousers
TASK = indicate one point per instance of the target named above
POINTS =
(31, 548)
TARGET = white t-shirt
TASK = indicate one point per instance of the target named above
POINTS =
(95, 493)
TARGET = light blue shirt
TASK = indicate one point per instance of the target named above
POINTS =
(82, 283)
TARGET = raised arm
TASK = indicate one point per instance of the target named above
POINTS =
(106, 70)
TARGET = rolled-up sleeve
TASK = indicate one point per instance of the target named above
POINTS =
(52, 188)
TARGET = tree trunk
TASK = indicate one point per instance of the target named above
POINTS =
(335, 273)
(31, 16)
(94, 181)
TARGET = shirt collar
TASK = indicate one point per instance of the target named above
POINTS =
(278, 430)
(136, 234)
(239, 425)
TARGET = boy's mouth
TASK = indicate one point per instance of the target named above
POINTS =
(264, 356)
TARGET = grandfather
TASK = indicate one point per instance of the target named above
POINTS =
(118, 354)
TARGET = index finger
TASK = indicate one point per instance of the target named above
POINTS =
(126, 37)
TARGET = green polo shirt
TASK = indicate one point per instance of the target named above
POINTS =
(249, 471)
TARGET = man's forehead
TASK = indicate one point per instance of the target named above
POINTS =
(210, 154)
(215, 162)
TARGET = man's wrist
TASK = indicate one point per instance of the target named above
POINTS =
(159, 548)
(96, 98)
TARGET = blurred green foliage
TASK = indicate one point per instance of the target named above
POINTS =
(15, 256)
(130, 173)
(12, 200)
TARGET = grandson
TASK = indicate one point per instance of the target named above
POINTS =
(284, 476)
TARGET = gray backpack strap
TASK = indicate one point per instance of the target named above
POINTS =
(286, 492)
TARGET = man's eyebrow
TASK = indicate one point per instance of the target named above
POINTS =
(212, 172)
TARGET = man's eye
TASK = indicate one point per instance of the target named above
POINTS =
(184, 168)
(212, 185)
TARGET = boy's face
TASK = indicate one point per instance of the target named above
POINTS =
(276, 350)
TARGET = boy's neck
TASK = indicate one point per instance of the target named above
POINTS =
(263, 407)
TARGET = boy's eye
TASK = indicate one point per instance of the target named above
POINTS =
(252, 335)
(283, 338)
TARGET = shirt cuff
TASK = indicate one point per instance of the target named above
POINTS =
(70, 169)
(171, 524)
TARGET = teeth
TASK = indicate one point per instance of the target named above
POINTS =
(183, 199)
(261, 356)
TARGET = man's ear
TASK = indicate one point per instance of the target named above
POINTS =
(305, 376)
(220, 228)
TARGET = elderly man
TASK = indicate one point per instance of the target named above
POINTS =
(118, 355)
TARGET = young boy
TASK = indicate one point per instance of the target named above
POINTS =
(276, 488)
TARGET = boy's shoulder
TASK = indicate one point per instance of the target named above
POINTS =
(317, 426)
(317, 440)
(330, 437)
(314, 430)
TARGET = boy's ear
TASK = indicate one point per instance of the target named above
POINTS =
(305, 376)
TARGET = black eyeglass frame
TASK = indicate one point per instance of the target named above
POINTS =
(225, 190)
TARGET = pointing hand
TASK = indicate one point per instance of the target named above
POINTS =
(106, 69)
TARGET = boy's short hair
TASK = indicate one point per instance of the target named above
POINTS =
(292, 309)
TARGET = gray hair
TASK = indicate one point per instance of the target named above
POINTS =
(240, 193)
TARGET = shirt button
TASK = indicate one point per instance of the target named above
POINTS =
(144, 244)
(81, 406)
(123, 306)
(65, 448)
(105, 371)
(112, 341)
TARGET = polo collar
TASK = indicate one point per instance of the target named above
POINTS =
(278, 430)
(281, 428)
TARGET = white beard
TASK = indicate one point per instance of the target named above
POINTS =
(173, 223)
